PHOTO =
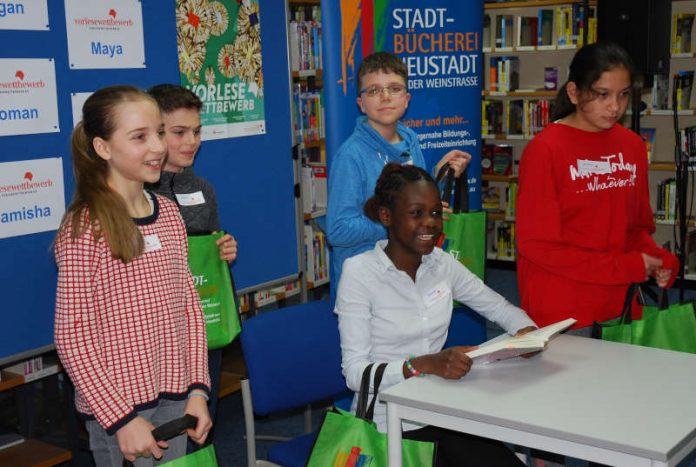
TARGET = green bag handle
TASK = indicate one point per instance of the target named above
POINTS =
(362, 411)
(661, 299)
(169, 430)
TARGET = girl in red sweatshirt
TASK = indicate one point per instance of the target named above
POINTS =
(584, 221)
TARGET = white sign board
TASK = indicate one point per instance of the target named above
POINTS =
(105, 34)
(78, 100)
(24, 15)
(28, 102)
(31, 196)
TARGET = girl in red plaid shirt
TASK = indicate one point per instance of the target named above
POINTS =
(129, 328)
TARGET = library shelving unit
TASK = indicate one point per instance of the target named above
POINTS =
(30, 451)
(527, 47)
(304, 46)
(658, 123)
(305, 49)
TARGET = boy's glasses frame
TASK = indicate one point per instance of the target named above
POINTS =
(394, 90)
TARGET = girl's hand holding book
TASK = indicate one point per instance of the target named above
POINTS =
(451, 363)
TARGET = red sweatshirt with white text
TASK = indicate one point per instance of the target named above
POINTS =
(583, 220)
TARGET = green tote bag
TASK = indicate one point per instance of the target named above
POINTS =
(213, 281)
(464, 231)
(670, 327)
(204, 457)
(353, 440)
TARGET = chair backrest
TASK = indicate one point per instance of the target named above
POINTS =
(466, 328)
(293, 356)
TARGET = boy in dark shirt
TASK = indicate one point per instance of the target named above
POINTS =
(195, 196)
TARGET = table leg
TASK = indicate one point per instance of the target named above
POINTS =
(393, 435)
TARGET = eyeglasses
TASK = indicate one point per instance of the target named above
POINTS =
(394, 90)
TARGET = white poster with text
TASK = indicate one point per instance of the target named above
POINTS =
(28, 101)
(105, 34)
(31, 196)
(27, 15)
(77, 99)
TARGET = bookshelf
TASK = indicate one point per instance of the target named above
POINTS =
(661, 120)
(527, 47)
(304, 43)
(30, 451)
(309, 154)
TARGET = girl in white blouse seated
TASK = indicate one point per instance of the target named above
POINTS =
(394, 305)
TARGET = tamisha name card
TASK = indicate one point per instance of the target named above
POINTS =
(24, 15)
(31, 196)
(105, 34)
(28, 102)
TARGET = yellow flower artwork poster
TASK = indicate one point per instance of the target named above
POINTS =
(219, 47)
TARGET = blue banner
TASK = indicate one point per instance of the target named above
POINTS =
(441, 46)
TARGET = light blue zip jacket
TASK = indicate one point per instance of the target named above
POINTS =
(352, 177)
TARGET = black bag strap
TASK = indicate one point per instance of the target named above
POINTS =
(626, 315)
(460, 185)
(660, 298)
(362, 411)
(361, 407)
(379, 372)
(169, 430)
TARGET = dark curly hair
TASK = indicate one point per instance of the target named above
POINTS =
(391, 181)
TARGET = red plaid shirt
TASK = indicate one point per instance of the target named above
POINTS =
(128, 334)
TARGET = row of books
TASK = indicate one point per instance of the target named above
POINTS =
(499, 199)
(527, 117)
(510, 199)
(516, 117)
(314, 154)
(305, 40)
(314, 188)
(503, 241)
(687, 144)
(648, 136)
(268, 296)
(308, 106)
(504, 73)
(682, 25)
(684, 82)
(34, 368)
(565, 24)
(316, 254)
(497, 159)
(666, 205)
(660, 98)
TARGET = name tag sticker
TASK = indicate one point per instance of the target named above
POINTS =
(436, 293)
(152, 243)
(190, 199)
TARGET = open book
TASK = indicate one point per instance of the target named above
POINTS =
(503, 347)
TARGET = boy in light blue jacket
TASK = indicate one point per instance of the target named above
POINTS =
(379, 137)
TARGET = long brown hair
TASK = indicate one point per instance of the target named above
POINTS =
(94, 203)
(587, 67)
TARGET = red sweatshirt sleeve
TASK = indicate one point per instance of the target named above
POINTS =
(643, 223)
(540, 234)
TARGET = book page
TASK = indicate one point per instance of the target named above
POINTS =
(504, 346)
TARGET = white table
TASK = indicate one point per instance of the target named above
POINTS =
(611, 403)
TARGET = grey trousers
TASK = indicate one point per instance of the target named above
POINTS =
(105, 448)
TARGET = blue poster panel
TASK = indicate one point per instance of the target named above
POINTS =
(439, 42)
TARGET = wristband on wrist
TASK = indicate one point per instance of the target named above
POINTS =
(198, 393)
(411, 369)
